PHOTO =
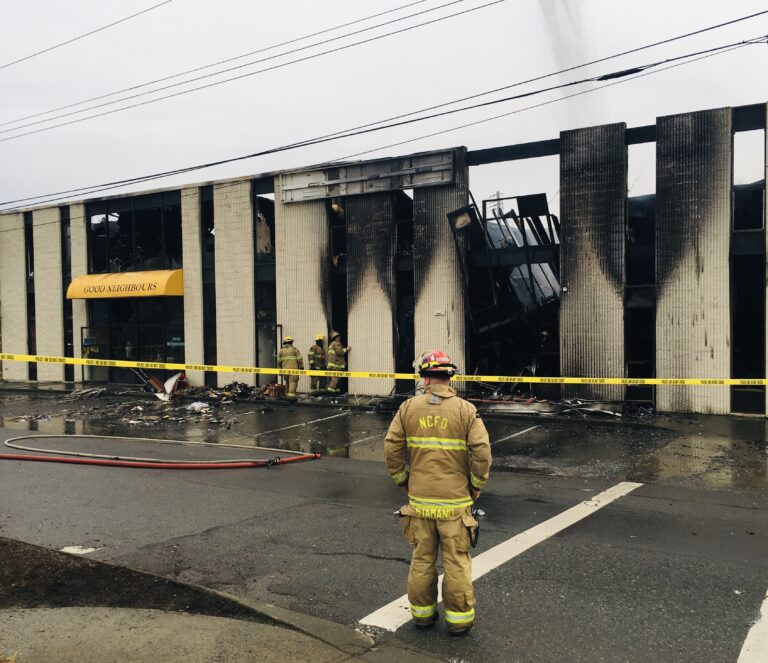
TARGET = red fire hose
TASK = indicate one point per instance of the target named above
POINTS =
(81, 458)
(221, 465)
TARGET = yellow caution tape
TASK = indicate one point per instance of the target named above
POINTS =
(153, 365)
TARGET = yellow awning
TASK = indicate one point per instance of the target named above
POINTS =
(160, 283)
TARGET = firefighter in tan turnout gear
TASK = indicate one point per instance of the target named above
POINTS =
(316, 362)
(438, 451)
(337, 360)
(290, 357)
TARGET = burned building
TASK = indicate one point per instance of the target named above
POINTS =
(398, 256)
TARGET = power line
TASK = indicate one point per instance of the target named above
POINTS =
(215, 64)
(376, 126)
(380, 126)
(517, 84)
(559, 72)
(240, 66)
(522, 110)
(449, 130)
(83, 36)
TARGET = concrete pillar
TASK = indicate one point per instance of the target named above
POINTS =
(302, 261)
(371, 299)
(79, 246)
(13, 295)
(191, 237)
(235, 304)
(693, 225)
(593, 207)
(439, 315)
(49, 305)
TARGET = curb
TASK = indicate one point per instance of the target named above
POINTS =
(351, 643)
(341, 637)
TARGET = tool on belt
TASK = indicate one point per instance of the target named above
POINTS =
(473, 539)
(475, 514)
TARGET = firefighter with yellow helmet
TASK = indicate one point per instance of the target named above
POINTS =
(316, 362)
(290, 357)
(337, 360)
(438, 450)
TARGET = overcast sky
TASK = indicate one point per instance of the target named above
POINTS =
(489, 48)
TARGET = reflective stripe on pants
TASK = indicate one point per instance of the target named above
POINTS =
(451, 537)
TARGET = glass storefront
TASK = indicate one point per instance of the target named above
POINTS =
(134, 234)
(135, 329)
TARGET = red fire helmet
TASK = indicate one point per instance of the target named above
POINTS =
(436, 363)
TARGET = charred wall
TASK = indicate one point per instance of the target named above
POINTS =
(593, 203)
(439, 315)
(693, 219)
(371, 240)
(301, 271)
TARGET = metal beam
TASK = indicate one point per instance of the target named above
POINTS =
(745, 118)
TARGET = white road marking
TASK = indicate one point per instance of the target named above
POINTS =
(755, 647)
(383, 433)
(365, 439)
(78, 550)
(509, 437)
(397, 613)
(306, 423)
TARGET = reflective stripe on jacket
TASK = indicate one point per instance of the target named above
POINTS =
(336, 355)
(438, 446)
(289, 357)
(316, 357)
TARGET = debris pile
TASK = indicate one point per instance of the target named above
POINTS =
(85, 393)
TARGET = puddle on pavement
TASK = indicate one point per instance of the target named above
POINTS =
(714, 450)
(709, 450)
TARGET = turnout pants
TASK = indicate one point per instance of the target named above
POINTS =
(334, 382)
(451, 537)
(317, 383)
(293, 383)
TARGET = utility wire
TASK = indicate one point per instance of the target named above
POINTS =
(215, 64)
(241, 66)
(520, 110)
(517, 84)
(443, 131)
(83, 36)
(331, 137)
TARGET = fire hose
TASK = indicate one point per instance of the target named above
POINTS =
(82, 458)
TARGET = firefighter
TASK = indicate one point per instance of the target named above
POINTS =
(438, 451)
(290, 357)
(337, 360)
(317, 363)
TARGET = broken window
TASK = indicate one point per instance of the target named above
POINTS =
(748, 274)
(640, 271)
(135, 234)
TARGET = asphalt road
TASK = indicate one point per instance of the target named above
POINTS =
(673, 571)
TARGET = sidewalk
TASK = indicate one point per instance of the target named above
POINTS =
(96, 635)
(65, 608)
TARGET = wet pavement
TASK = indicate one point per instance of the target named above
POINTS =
(674, 571)
(712, 451)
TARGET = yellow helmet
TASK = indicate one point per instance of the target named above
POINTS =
(288, 339)
(320, 337)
